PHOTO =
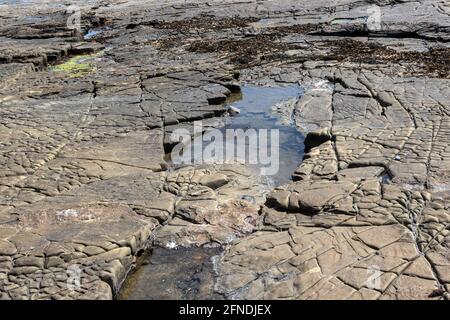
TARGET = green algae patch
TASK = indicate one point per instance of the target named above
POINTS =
(78, 66)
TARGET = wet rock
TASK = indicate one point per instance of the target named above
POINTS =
(181, 273)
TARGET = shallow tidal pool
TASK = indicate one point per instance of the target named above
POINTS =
(189, 273)
(182, 274)
(259, 132)
(271, 108)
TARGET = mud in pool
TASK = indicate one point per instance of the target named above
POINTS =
(259, 112)
(182, 274)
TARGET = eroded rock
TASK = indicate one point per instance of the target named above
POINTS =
(83, 181)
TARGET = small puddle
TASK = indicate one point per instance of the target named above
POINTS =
(271, 108)
(385, 178)
(92, 33)
(181, 274)
(259, 108)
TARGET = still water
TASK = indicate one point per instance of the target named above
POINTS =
(261, 126)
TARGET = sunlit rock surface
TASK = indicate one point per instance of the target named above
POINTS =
(84, 125)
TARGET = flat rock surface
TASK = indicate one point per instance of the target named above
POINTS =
(85, 120)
